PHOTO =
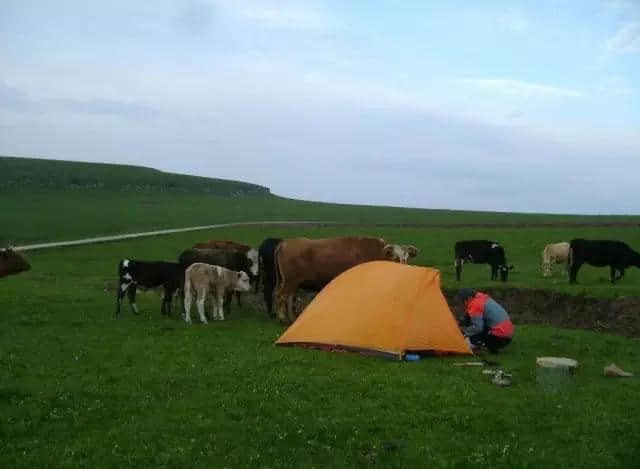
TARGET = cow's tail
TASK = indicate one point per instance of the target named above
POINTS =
(260, 272)
(277, 275)
(570, 258)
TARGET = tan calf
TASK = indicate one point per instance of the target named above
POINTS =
(557, 253)
(205, 279)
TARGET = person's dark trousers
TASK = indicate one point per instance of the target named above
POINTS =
(492, 342)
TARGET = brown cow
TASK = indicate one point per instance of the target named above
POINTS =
(221, 244)
(205, 278)
(233, 246)
(312, 263)
(12, 262)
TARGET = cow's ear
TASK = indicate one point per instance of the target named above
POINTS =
(413, 251)
(388, 250)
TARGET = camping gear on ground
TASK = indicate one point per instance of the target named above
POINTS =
(554, 373)
(380, 308)
(500, 378)
(412, 357)
(613, 370)
(557, 362)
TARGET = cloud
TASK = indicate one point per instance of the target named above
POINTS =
(18, 100)
(614, 86)
(626, 40)
(522, 88)
(285, 15)
(514, 21)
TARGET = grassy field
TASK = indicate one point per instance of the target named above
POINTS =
(45, 200)
(79, 387)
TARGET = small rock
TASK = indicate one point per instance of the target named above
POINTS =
(613, 370)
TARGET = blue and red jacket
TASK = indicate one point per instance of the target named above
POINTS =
(487, 315)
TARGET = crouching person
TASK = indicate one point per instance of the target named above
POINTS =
(205, 278)
(486, 321)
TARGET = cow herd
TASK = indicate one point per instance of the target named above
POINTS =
(284, 266)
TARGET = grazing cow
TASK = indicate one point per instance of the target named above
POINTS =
(205, 278)
(557, 253)
(148, 274)
(233, 246)
(12, 262)
(266, 256)
(221, 244)
(599, 253)
(312, 263)
(231, 259)
(482, 252)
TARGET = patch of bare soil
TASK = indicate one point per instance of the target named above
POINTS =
(528, 306)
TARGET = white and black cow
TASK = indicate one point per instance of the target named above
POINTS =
(231, 259)
(148, 274)
(482, 252)
(600, 253)
(204, 279)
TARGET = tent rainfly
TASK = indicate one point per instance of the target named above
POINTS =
(380, 308)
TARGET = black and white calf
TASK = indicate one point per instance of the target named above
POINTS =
(148, 274)
(600, 253)
(482, 252)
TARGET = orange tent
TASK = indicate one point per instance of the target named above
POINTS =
(380, 308)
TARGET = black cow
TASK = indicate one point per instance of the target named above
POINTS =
(482, 252)
(616, 254)
(148, 274)
(266, 256)
(229, 258)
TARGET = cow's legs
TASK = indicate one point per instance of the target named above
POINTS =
(132, 298)
(167, 298)
(458, 267)
(202, 296)
(268, 297)
(238, 298)
(220, 300)
(281, 300)
(613, 277)
(573, 271)
(291, 311)
(187, 304)
(228, 300)
(122, 290)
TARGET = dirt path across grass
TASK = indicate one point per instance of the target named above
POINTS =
(315, 224)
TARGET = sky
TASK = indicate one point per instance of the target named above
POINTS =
(494, 105)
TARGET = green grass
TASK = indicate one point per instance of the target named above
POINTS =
(79, 387)
(45, 200)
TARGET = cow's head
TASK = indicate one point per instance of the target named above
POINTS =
(252, 255)
(242, 282)
(504, 272)
(12, 262)
(400, 252)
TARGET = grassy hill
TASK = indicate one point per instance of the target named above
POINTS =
(48, 200)
(37, 175)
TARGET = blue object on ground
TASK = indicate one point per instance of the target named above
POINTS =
(412, 357)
